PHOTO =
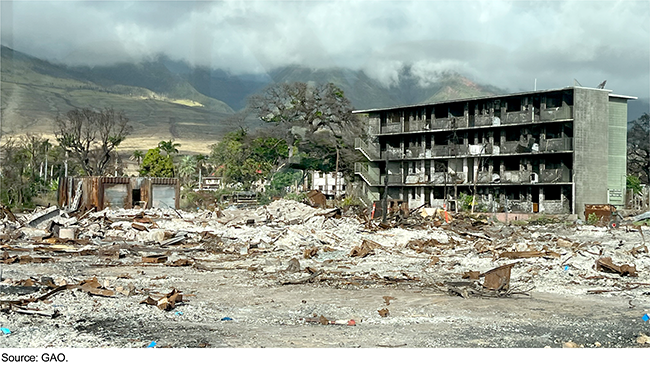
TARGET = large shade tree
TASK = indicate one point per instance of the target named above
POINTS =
(317, 119)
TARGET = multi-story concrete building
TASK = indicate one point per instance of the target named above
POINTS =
(549, 151)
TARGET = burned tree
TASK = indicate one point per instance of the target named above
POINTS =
(91, 137)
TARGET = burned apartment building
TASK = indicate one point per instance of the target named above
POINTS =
(550, 151)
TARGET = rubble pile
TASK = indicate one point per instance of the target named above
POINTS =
(46, 257)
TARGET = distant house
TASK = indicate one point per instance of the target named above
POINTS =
(328, 184)
(212, 183)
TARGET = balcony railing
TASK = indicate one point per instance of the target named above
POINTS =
(516, 177)
(517, 117)
(414, 152)
(391, 128)
(392, 155)
(414, 126)
(449, 178)
(371, 150)
(416, 179)
(564, 112)
(441, 123)
(556, 144)
(480, 120)
(562, 174)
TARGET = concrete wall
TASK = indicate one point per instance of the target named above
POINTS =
(590, 133)
(617, 149)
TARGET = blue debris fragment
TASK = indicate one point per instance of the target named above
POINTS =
(179, 313)
(646, 317)
(566, 267)
(226, 319)
(152, 344)
(6, 331)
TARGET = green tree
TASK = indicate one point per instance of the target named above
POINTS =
(27, 166)
(90, 136)
(156, 165)
(634, 183)
(241, 158)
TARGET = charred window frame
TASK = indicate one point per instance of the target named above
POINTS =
(513, 105)
(513, 134)
(552, 192)
(553, 130)
(511, 164)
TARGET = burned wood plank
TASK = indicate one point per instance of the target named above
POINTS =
(305, 280)
(529, 254)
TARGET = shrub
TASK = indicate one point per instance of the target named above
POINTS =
(592, 219)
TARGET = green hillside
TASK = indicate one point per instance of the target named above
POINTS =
(34, 92)
(167, 99)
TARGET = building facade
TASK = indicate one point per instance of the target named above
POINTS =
(550, 151)
(328, 183)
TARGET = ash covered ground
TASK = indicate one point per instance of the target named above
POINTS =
(289, 275)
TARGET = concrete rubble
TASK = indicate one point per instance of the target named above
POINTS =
(289, 244)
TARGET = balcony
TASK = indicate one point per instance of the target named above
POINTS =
(482, 120)
(369, 174)
(440, 123)
(520, 117)
(559, 113)
(562, 174)
(513, 147)
(556, 144)
(516, 177)
(394, 154)
(370, 150)
(448, 178)
(391, 128)
(416, 179)
(414, 126)
(485, 177)
(414, 152)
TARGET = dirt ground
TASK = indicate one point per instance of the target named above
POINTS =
(249, 296)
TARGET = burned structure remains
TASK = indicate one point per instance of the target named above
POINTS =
(101, 192)
(550, 151)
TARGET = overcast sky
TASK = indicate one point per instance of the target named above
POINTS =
(504, 43)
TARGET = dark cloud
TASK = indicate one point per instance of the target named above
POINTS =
(507, 44)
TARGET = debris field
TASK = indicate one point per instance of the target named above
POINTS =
(290, 275)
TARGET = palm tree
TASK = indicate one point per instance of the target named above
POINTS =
(187, 167)
(199, 164)
(137, 155)
(169, 147)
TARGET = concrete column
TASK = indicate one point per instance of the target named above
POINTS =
(591, 137)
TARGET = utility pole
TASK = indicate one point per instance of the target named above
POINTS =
(384, 202)
(336, 177)
(46, 150)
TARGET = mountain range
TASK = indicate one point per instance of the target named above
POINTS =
(169, 99)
